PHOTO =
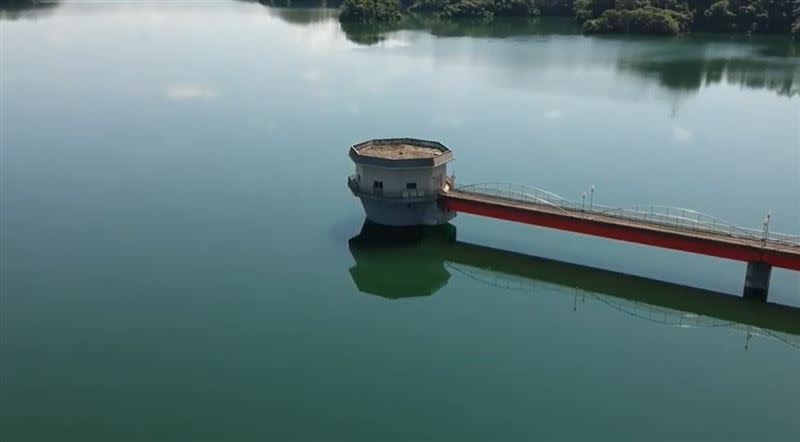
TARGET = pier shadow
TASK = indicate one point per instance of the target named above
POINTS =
(398, 263)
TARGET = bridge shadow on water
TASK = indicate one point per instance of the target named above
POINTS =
(398, 263)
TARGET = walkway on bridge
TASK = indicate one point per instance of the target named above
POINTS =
(682, 229)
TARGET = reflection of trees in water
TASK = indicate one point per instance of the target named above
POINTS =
(301, 12)
(14, 9)
(297, 3)
(779, 75)
(367, 34)
(773, 66)
(303, 16)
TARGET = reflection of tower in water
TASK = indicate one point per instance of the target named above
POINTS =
(400, 262)
(396, 263)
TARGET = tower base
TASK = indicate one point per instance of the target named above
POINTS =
(405, 212)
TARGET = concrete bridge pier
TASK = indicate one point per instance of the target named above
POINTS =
(756, 282)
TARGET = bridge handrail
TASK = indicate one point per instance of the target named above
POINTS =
(659, 215)
(681, 217)
(782, 238)
(693, 219)
(528, 193)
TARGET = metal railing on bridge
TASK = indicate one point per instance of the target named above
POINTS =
(521, 193)
(659, 215)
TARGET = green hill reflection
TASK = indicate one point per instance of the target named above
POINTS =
(780, 75)
(678, 65)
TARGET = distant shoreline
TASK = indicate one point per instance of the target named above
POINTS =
(642, 17)
(657, 17)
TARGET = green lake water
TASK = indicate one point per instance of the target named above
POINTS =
(182, 259)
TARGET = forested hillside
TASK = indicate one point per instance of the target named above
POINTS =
(603, 16)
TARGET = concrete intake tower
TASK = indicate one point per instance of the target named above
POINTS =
(399, 180)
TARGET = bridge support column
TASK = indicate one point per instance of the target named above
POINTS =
(756, 282)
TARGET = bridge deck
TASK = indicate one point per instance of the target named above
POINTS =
(778, 254)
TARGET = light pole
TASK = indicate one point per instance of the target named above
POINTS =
(591, 197)
(766, 225)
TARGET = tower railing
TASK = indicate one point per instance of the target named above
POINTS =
(354, 183)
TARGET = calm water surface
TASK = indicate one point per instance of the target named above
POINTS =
(182, 260)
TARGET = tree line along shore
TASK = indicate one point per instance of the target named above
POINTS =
(665, 17)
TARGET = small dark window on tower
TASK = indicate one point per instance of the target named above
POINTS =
(411, 186)
(377, 184)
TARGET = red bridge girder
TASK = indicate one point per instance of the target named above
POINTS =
(640, 232)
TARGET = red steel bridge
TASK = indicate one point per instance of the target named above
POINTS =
(667, 227)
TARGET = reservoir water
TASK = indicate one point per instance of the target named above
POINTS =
(182, 259)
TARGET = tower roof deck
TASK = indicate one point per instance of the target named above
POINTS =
(401, 152)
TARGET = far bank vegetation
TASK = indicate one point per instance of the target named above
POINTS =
(667, 17)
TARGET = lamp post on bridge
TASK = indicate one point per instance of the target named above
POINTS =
(766, 225)
(756, 280)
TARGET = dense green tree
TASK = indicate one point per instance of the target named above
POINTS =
(515, 8)
(555, 7)
(719, 16)
(485, 8)
(469, 8)
(645, 16)
(648, 20)
(796, 16)
(428, 5)
(370, 11)
(743, 15)
(588, 9)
